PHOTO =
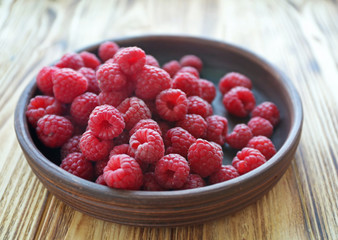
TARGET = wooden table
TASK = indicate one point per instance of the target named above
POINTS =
(300, 37)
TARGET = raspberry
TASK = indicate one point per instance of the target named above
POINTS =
(76, 164)
(264, 145)
(239, 101)
(177, 140)
(205, 157)
(172, 104)
(226, 173)
(90, 60)
(40, 106)
(123, 138)
(150, 183)
(111, 78)
(240, 136)
(53, 130)
(133, 110)
(145, 123)
(217, 129)
(194, 124)
(71, 146)
(113, 98)
(207, 90)
(267, 110)
(197, 105)
(89, 74)
(233, 79)
(70, 60)
(192, 61)
(194, 181)
(247, 159)
(68, 84)
(100, 180)
(99, 166)
(172, 67)
(260, 126)
(123, 172)
(130, 59)
(93, 148)
(150, 60)
(106, 122)
(82, 106)
(120, 149)
(188, 83)
(191, 70)
(151, 81)
(146, 145)
(44, 80)
(172, 171)
(107, 50)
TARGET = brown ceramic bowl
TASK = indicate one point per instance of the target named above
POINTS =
(173, 208)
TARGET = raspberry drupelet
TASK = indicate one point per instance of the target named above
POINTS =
(94, 148)
(78, 165)
(177, 140)
(248, 159)
(233, 79)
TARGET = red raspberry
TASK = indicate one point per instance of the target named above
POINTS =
(172, 104)
(71, 146)
(120, 149)
(232, 80)
(76, 164)
(264, 145)
(217, 129)
(177, 140)
(82, 106)
(260, 126)
(133, 110)
(123, 138)
(93, 148)
(90, 75)
(205, 157)
(150, 183)
(130, 59)
(197, 105)
(239, 101)
(44, 80)
(106, 122)
(151, 60)
(90, 60)
(191, 70)
(207, 90)
(151, 81)
(226, 173)
(194, 181)
(100, 180)
(113, 98)
(68, 84)
(172, 171)
(248, 159)
(110, 77)
(107, 50)
(267, 110)
(240, 136)
(70, 60)
(40, 106)
(192, 61)
(99, 166)
(145, 123)
(146, 145)
(194, 124)
(172, 67)
(188, 83)
(53, 130)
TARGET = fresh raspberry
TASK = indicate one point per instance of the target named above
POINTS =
(145, 123)
(239, 101)
(40, 106)
(264, 145)
(107, 50)
(70, 60)
(71, 146)
(113, 98)
(267, 110)
(123, 138)
(44, 80)
(192, 61)
(172, 104)
(172, 67)
(100, 180)
(151, 81)
(240, 136)
(76, 164)
(217, 129)
(207, 90)
(260, 126)
(123, 172)
(150, 183)
(130, 59)
(233, 79)
(106, 122)
(177, 140)
(90, 75)
(93, 148)
(205, 157)
(146, 145)
(90, 60)
(226, 173)
(248, 159)
(119, 149)
(194, 124)
(82, 106)
(191, 70)
(99, 166)
(151, 60)
(188, 83)
(68, 84)
(172, 171)
(197, 105)
(53, 130)
(133, 110)
(110, 77)
(194, 181)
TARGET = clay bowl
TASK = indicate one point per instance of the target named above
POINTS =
(174, 208)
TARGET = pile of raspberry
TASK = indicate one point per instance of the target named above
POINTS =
(121, 120)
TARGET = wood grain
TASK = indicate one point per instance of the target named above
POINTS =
(300, 37)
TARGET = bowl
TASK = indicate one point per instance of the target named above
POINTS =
(179, 207)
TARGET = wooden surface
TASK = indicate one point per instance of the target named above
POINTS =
(300, 37)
